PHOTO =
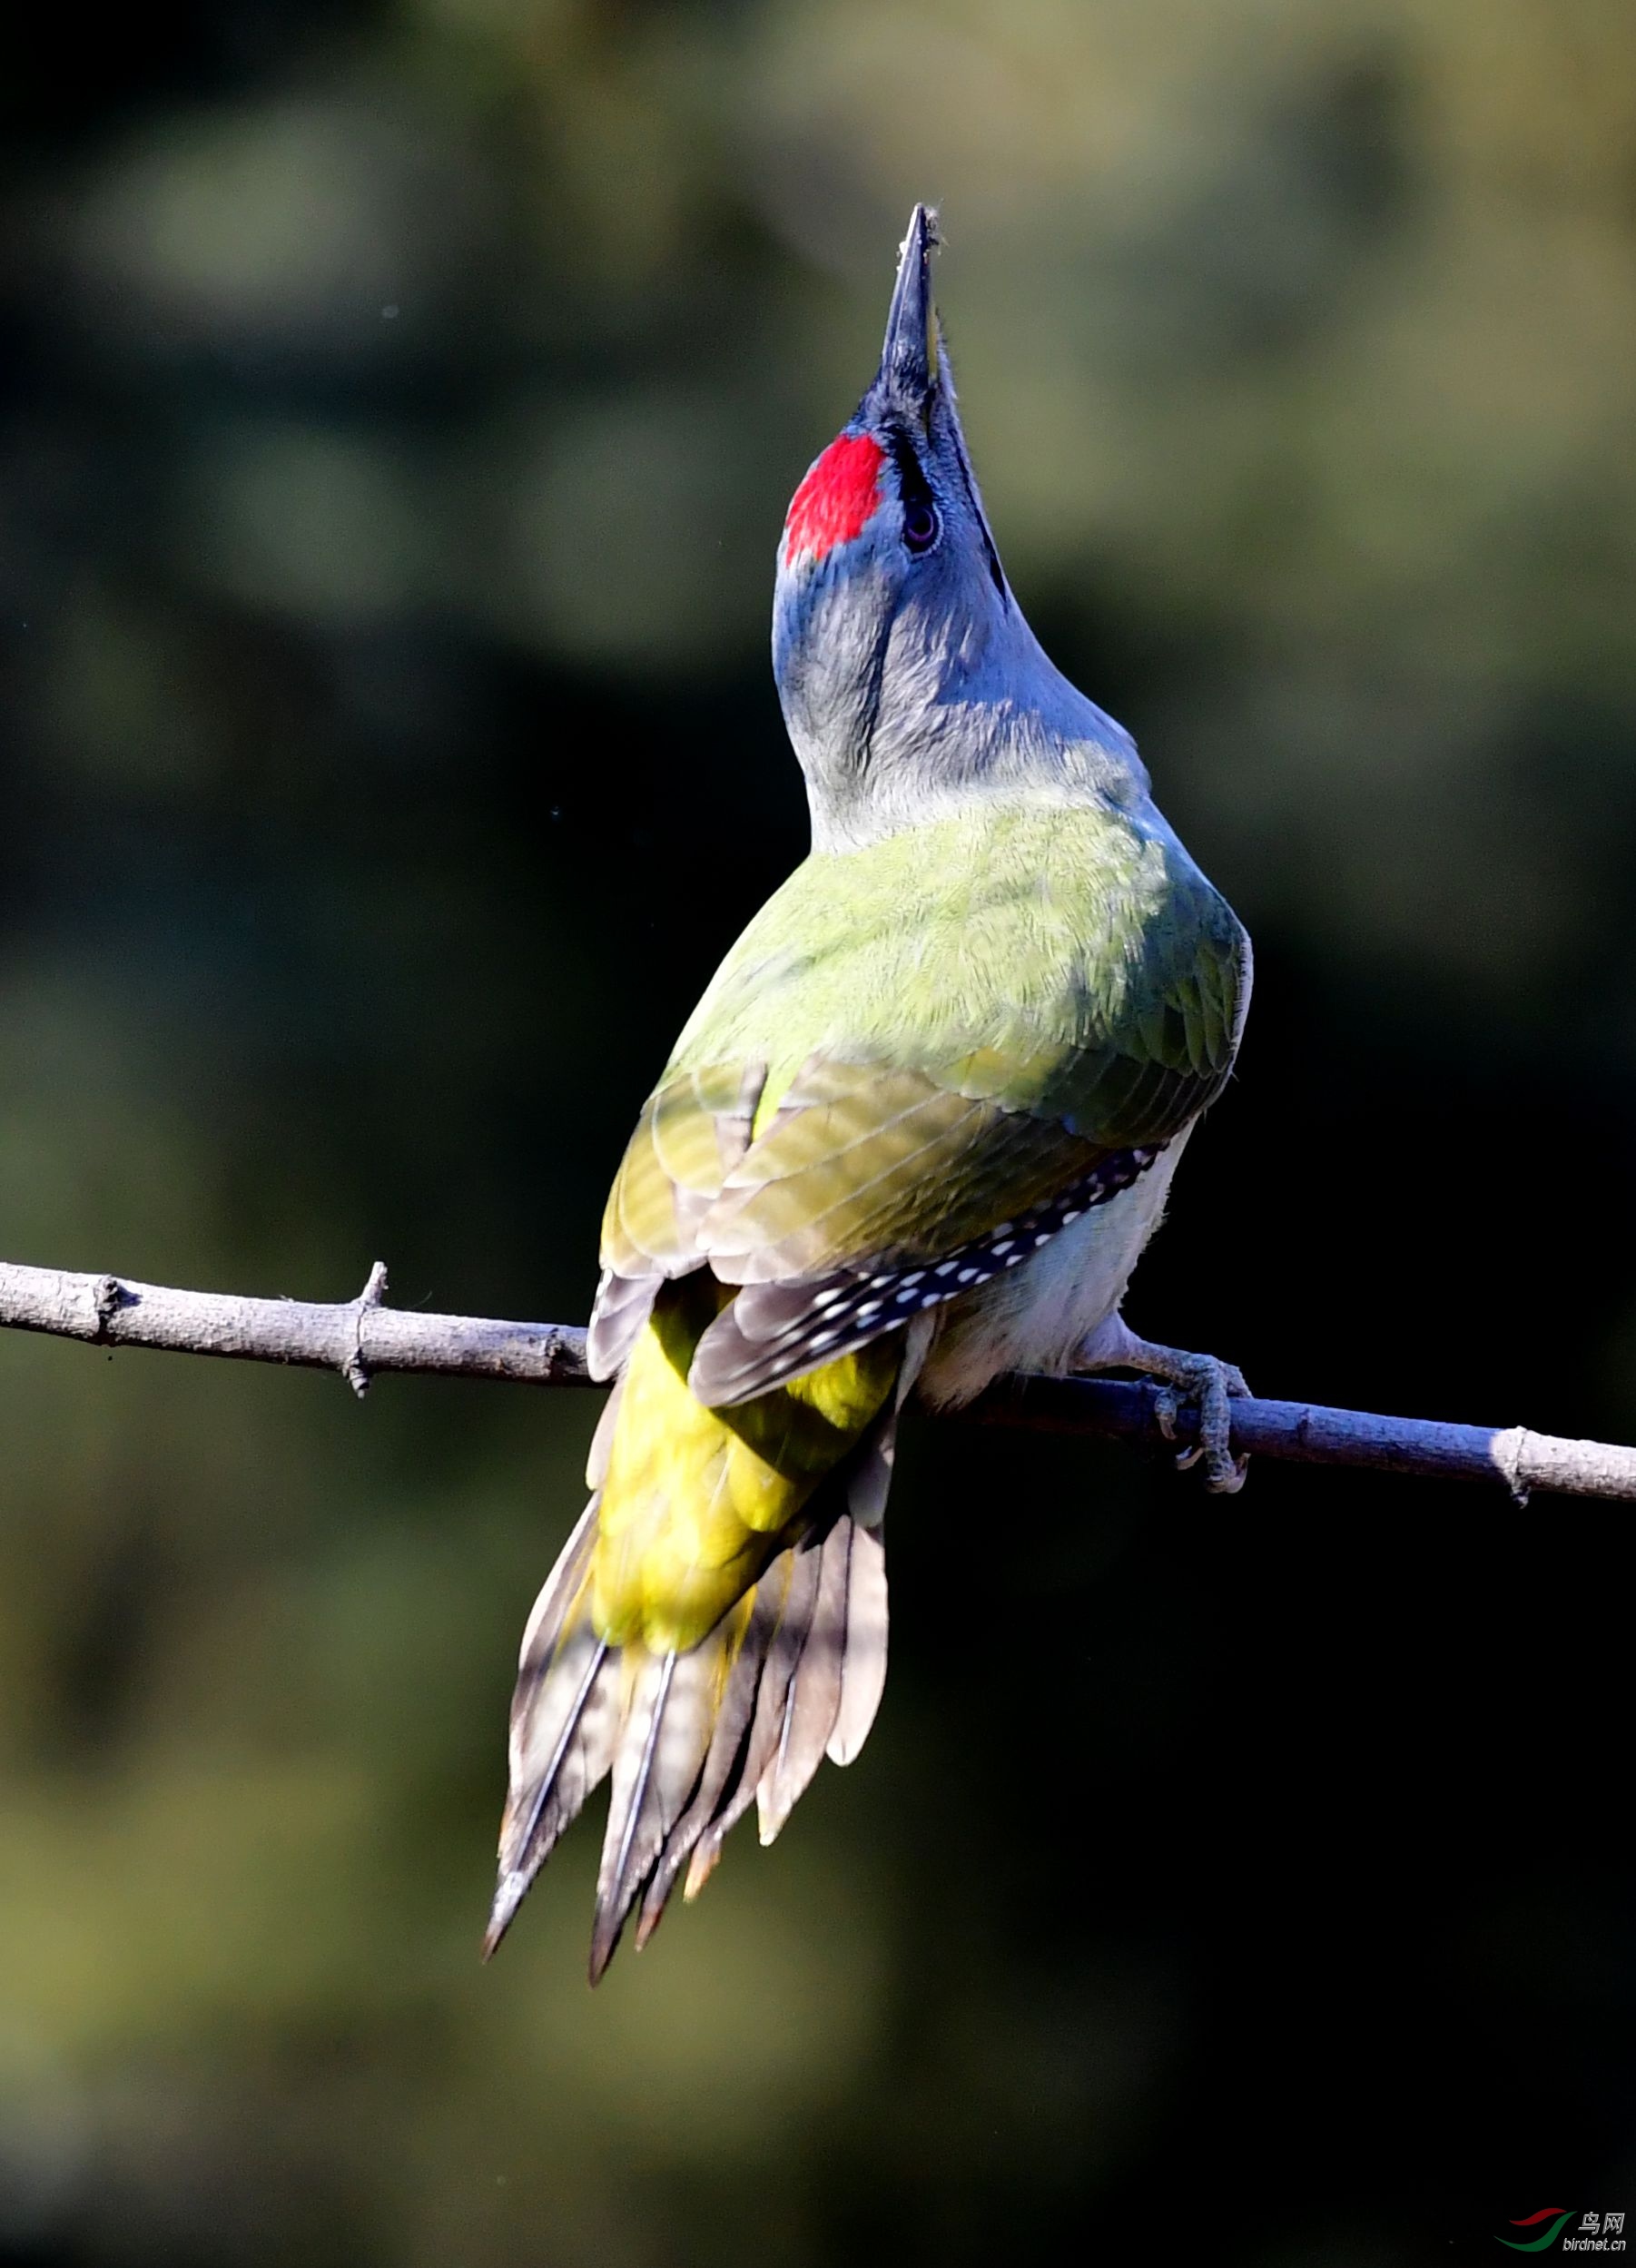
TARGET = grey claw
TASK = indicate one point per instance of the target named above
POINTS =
(1229, 1482)
(1211, 1385)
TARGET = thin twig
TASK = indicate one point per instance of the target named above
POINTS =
(1310, 1433)
(359, 1337)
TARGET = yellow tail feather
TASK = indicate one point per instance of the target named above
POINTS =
(716, 1621)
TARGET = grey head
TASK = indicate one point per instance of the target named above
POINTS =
(910, 684)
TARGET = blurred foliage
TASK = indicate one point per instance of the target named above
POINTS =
(400, 401)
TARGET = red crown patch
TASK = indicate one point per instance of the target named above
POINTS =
(837, 498)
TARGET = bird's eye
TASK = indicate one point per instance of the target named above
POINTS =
(921, 527)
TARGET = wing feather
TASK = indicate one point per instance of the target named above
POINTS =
(1080, 1027)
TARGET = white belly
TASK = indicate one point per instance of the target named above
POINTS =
(1037, 1316)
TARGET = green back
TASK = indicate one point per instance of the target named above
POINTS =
(945, 1027)
(1055, 960)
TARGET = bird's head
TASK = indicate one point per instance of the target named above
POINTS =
(908, 676)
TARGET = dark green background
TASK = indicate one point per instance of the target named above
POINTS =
(401, 404)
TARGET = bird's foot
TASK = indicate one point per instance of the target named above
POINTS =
(1209, 1383)
(1204, 1380)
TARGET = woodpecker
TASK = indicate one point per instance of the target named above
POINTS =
(916, 1133)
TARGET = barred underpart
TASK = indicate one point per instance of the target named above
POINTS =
(774, 1332)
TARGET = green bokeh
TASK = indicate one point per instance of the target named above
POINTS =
(401, 406)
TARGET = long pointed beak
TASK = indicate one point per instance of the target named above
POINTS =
(909, 356)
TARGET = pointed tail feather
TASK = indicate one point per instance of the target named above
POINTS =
(812, 1702)
(674, 1702)
(792, 1579)
(816, 1656)
(864, 1660)
(577, 1762)
(758, 1617)
(561, 1727)
(817, 1696)
(692, 1739)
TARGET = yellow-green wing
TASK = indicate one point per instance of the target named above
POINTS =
(694, 1128)
(864, 1165)
(913, 1052)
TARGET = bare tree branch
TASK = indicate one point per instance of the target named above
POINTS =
(1309, 1433)
(360, 1337)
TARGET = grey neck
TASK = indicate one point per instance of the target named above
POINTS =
(906, 730)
